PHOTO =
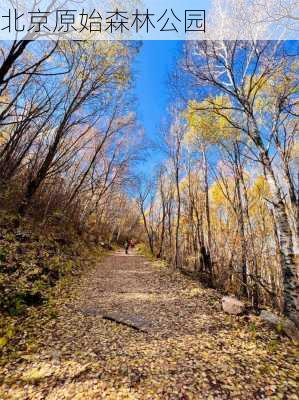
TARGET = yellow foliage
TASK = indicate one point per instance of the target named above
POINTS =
(259, 191)
(217, 195)
(3, 341)
(36, 374)
(260, 188)
(208, 121)
(267, 90)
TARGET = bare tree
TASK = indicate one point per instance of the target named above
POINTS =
(174, 142)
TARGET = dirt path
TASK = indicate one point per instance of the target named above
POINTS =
(190, 350)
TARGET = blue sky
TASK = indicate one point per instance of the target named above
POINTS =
(152, 67)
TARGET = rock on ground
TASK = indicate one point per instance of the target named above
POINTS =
(281, 324)
(233, 306)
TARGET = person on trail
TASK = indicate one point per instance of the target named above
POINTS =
(127, 245)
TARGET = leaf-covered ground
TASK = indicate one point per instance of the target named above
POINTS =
(191, 350)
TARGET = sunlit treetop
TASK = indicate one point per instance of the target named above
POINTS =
(280, 90)
(208, 121)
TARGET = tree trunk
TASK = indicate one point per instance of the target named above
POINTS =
(207, 249)
(241, 224)
(288, 262)
(177, 230)
(149, 236)
(160, 254)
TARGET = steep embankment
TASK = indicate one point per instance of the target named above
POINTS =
(35, 261)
